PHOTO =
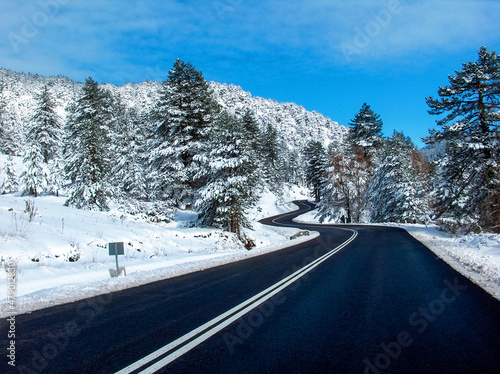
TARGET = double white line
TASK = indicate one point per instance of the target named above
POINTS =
(165, 355)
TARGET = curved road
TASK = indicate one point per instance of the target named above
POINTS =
(356, 299)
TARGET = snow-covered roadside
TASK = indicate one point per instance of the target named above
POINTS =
(476, 256)
(62, 254)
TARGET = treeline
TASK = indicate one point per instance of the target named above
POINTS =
(374, 179)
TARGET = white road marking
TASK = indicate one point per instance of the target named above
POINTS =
(217, 324)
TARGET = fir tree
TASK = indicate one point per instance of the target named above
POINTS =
(2, 126)
(87, 157)
(230, 169)
(46, 126)
(12, 142)
(184, 115)
(128, 171)
(366, 130)
(35, 178)
(398, 191)
(254, 139)
(55, 178)
(10, 139)
(468, 186)
(42, 143)
(399, 188)
(316, 165)
(10, 183)
(396, 144)
(252, 132)
(294, 170)
(271, 158)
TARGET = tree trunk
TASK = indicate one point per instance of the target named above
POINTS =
(235, 224)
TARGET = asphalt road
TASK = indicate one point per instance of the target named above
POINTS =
(357, 299)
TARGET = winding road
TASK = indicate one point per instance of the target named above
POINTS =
(357, 299)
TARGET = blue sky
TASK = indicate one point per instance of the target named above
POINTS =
(327, 55)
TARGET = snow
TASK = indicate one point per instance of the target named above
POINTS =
(44, 247)
(476, 256)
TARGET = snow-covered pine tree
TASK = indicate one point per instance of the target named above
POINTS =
(56, 175)
(316, 166)
(86, 149)
(12, 133)
(183, 115)
(35, 177)
(271, 158)
(254, 139)
(468, 185)
(230, 169)
(397, 143)
(293, 167)
(42, 145)
(129, 168)
(366, 131)
(398, 191)
(10, 140)
(47, 125)
(10, 183)
(253, 132)
(2, 127)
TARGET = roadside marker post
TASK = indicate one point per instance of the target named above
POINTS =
(116, 249)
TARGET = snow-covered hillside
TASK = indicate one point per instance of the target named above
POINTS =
(295, 125)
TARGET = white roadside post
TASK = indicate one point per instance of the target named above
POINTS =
(116, 249)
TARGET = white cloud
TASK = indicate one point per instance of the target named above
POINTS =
(429, 26)
(116, 38)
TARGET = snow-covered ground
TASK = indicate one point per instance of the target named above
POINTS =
(62, 253)
(476, 256)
